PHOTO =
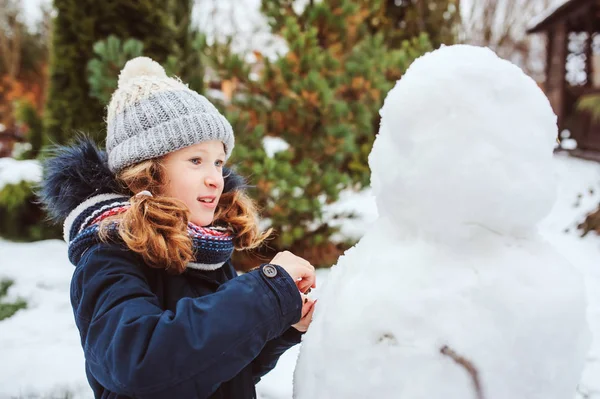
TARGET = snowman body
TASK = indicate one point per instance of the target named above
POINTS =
(513, 308)
(452, 293)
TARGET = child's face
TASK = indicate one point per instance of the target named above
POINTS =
(195, 176)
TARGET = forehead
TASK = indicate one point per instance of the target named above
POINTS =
(213, 147)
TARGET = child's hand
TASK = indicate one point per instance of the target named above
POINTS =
(308, 308)
(298, 268)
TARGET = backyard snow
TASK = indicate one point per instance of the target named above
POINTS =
(40, 353)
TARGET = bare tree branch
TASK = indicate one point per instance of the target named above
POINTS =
(467, 365)
(11, 32)
(502, 26)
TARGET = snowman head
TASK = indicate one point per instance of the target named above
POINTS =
(466, 139)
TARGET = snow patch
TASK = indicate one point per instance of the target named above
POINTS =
(13, 171)
(273, 145)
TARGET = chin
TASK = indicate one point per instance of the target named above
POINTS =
(202, 221)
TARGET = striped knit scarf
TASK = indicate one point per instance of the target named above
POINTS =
(212, 246)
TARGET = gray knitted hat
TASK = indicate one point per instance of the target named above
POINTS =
(150, 115)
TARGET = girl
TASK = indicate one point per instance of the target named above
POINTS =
(151, 224)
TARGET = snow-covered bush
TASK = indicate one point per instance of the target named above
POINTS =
(21, 216)
(7, 308)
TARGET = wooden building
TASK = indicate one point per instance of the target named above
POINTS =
(573, 65)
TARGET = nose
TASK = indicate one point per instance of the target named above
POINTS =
(214, 179)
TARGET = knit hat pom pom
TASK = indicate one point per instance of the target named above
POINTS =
(140, 66)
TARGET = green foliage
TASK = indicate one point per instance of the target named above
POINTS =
(12, 195)
(27, 115)
(110, 57)
(8, 309)
(190, 42)
(21, 216)
(79, 24)
(590, 103)
(227, 64)
(322, 97)
(400, 21)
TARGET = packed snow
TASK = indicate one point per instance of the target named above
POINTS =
(566, 141)
(485, 144)
(455, 267)
(579, 194)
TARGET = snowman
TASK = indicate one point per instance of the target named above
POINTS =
(452, 293)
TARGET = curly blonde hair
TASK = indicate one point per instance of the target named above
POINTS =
(156, 227)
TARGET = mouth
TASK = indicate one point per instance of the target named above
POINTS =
(209, 201)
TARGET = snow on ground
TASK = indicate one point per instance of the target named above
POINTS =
(40, 353)
(579, 193)
(39, 347)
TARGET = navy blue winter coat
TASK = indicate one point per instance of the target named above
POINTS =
(149, 334)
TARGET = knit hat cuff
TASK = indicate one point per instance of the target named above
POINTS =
(171, 136)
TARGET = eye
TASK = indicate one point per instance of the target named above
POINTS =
(196, 161)
(219, 163)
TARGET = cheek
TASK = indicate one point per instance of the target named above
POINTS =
(178, 186)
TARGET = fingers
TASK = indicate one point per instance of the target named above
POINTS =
(308, 281)
(305, 298)
(307, 304)
(299, 269)
(309, 313)
(308, 278)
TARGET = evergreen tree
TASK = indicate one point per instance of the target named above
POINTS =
(110, 56)
(79, 24)
(322, 97)
(405, 19)
(190, 42)
(27, 115)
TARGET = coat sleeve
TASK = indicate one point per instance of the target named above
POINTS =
(135, 348)
(269, 356)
